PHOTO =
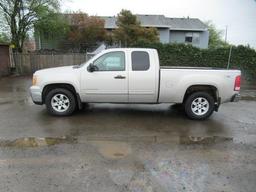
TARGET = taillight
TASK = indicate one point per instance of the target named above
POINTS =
(237, 83)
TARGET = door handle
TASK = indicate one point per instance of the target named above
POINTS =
(119, 77)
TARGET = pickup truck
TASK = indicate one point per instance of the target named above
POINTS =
(134, 75)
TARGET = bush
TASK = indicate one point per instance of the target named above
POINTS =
(243, 58)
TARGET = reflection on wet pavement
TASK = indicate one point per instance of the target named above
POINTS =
(111, 147)
(188, 140)
(36, 142)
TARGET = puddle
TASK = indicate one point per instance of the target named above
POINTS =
(16, 101)
(112, 149)
(248, 97)
(107, 148)
(188, 140)
(36, 142)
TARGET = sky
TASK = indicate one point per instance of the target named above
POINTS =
(238, 15)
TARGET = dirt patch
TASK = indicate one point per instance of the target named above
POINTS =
(112, 149)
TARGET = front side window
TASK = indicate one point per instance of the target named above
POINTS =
(140, 61)
(114, 61)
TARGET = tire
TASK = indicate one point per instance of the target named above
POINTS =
(60, 102)
(199, 105)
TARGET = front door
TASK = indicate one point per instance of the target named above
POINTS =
(109, 81)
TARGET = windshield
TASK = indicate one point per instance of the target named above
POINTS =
(89, 59)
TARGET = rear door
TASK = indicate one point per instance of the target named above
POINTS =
(142, 77)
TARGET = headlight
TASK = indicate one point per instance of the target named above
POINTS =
(34, 80)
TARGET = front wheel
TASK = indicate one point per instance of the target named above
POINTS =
(199, 105)
(60, 102)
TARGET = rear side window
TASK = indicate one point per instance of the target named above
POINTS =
(140, 61)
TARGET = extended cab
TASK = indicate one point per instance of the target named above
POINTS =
(134, 75)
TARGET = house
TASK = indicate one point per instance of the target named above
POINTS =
(171, 30)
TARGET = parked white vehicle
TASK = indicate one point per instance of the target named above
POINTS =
(134, 76)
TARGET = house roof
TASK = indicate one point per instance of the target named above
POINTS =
(160, 21)
(186, 24)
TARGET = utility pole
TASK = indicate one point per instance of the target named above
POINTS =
(229, 57)
(226, 34)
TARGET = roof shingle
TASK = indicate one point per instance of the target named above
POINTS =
(160, 21)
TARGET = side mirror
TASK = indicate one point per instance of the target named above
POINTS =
(91, 68)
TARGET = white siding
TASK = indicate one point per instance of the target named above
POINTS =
(204, 39)
(179, 37)
(164, 35)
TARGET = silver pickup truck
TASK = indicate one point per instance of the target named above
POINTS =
(134, 76)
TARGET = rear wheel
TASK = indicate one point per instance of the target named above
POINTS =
(60, 102)
(199, 105)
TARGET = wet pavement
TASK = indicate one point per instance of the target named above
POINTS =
(113, 148)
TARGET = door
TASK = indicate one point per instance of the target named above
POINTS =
(109, 81)
(143, 77)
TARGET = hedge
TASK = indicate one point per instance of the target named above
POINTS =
(243, 58)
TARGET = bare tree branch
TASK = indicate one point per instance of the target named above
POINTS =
(20, 15)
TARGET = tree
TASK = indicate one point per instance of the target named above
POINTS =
(86, 31)
(129, 30)
(148, 35)
(21, 15)
(4, 38)
(52, 25)
(215, 36)
(128, 27)
(4, 35)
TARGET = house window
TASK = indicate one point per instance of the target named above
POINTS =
(192, 38)
(188, 37)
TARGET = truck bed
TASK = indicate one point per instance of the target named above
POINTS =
(188, 67)
(174, 81)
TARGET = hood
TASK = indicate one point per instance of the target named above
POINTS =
(55, 70)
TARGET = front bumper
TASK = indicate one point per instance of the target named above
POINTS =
(36, 95)
(235, 98)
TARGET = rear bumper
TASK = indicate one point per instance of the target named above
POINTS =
(235, 98)
(36, 95)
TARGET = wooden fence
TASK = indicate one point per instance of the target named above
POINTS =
(28, 63)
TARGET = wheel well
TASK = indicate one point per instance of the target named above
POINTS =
(50, 87)
(212, 90)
